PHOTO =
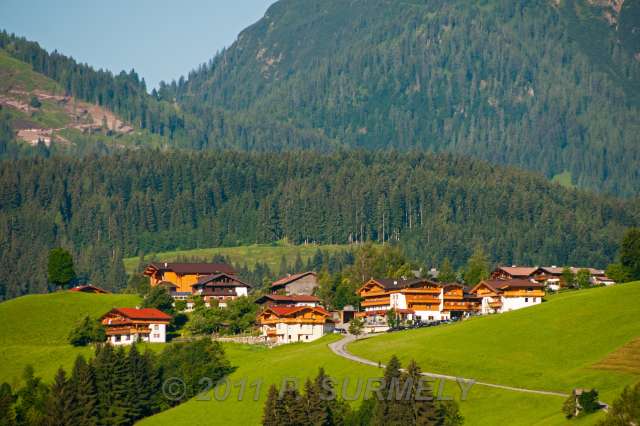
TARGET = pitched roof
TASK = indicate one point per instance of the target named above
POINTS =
(211, 278)
(192, 268)
(519, 271)
(391, 283)
(289, 310)
(501, 285)
(291, 278)
(88, 288)
(294, 298)
(141, 314)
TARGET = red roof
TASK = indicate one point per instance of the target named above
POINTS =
(89, 289)
(146, 314)
(291, 278)
(288, 310)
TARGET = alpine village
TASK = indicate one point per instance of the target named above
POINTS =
(351, 213)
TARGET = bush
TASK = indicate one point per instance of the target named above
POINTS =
(194, 361)
(88, 331)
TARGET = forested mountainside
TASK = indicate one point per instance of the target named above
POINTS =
(550, 85)
(107, 207)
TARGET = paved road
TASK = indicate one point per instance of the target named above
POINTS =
(339, 348)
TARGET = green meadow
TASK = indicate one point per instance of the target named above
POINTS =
(301, 360)
(577, 339)
(35, 328)
(251, 254)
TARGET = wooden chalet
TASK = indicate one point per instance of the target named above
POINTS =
(284, 300)
(417, 299)
(183, 275)
(289, 324)
(125, 326)
(220, 287)
(303, 283)
(515, 272)
(497, 296)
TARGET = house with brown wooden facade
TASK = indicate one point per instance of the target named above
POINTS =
(291, 324)
(415, 299)
(183, 275)
(212, 281)
(221, 288)
(125, 326)
(499, 295)
(551, 276)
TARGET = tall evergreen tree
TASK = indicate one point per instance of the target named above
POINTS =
(60, 267)
(85, 397)
(477, 267)
(270, 414)
(630, 253)
(60, 403)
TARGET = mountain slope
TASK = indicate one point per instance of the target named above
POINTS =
(35, 330)
(546, 85)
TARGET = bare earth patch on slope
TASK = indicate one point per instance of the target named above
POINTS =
(626, 359)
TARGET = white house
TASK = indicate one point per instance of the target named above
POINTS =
(290, 324)
(499, 296)
(125, 326)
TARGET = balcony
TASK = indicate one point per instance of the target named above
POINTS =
(378, 301)
(496, 304)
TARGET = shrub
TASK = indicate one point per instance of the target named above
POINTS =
(87, 331)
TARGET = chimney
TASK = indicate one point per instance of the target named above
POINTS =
(166, 264)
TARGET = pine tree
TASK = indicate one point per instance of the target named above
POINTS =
(315, 409)
(420, 397)
(121, 404)
(270, 415)
(295, 407)
(7, 410)
(60, 404)
(139, 395)
(386, 407)
(85, 393)
(446, 273)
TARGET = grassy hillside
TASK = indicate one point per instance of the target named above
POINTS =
(35, 329)
(554, 346)
(264, 253)
(484, 406)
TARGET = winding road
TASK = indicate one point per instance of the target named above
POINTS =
(339, 348)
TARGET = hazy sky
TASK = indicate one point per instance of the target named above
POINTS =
(160, 39)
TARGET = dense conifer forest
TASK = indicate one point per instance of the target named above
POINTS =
(552, 86)
(104, 208)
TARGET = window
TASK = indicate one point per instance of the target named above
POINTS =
(306, 337)
(156, 335)
(289, 337)
(126, 337)
(534, 300)
(526, 300)
(156, 327)
(117, 338)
